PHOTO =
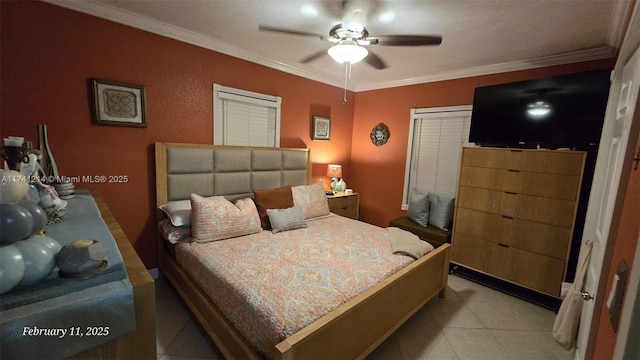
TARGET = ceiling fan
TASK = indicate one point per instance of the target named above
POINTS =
(351, 37)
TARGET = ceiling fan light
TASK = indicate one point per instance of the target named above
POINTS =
(538, 109)
(347, 52)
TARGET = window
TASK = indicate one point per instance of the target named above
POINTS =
(245, 118)
(436, 137)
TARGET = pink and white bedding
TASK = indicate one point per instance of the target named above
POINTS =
(272, 285)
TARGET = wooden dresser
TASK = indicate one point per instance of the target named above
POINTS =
(515, 213)
(343, 204)
(141, 342)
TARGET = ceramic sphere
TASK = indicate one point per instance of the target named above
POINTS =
(40, 218)
(11, 268)
(13, 186)
(16, 223)
(48, 242)
(38, 260)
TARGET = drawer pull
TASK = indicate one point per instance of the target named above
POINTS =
(507, 217)
(503, 245)
(511, 193)
(514, 170)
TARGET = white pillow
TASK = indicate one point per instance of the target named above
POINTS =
(179, 212)
(286, 219)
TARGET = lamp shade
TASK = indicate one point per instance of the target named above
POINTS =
(334, 171)
(347, 51)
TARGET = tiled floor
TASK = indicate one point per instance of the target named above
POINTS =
(473, 322)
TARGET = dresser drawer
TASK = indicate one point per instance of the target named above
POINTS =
(543, 239)
(531, 270)
(557, 186)
(542, 161)
(345, 205)
(526, 207)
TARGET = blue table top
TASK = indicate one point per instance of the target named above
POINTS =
(83, 221)
(100, 307)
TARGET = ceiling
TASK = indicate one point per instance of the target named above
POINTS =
(479, 36)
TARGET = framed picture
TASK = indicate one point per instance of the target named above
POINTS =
(116, 103)
(321, 128)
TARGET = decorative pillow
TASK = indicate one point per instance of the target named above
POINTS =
(278, 198)
(311, 199)
(440, 211)
(418, 209)
(216, 218)
(286, 219)
(173, 234)
(178, 211)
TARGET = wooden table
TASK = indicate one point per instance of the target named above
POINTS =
(141, 342)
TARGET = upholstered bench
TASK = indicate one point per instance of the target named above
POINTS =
(430, 234)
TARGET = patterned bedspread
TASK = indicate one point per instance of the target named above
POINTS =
(272, 285)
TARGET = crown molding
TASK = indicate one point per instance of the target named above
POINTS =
(111, 13)
(137, 21)
(605, 52)
(622, 11)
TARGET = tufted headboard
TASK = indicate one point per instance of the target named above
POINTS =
(231, 171)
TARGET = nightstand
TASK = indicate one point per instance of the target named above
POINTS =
(343, 204)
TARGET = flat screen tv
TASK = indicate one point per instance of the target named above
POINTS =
(556, 112)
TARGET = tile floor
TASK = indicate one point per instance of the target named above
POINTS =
(473, 322)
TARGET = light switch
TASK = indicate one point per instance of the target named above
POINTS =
(614, 302)
(612, 293)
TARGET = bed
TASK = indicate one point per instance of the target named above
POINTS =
(352, 328)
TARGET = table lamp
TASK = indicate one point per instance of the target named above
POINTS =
(334, 172)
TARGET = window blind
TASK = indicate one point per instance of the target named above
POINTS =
(243, 118)
(248, 124)
(435, 144)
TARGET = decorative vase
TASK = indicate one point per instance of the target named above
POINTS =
(341, 185)
(48, 164)
(12, 155)
(81, 258)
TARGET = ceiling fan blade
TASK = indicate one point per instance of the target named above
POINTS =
(375, 61)
(313, 57)
(405, 40)
(263, 27)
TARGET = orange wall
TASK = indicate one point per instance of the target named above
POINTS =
(49, 53)
(378, 172)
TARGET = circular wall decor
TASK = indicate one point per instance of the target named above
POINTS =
(380, 134)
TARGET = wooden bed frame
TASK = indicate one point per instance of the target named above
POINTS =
(352, 331)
